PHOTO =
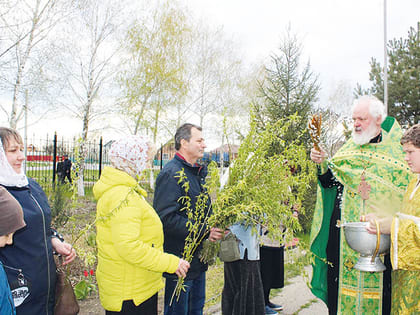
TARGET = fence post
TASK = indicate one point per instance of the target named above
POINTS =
(161, 156)
(54, 157)
(100, 157)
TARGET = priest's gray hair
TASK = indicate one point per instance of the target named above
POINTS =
(376, 107)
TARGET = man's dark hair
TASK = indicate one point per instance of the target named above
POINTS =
(184, 132)
(412, 135)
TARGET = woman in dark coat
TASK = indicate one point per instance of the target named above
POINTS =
(243, 291)
(272, 270)
(29, 262)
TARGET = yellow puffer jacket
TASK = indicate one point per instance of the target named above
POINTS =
(130, 242)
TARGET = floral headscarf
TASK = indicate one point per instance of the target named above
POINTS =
(8, 176)
(129, 154)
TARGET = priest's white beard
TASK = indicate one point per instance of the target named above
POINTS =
(365, 137)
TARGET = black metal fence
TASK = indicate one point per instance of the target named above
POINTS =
(43, 157)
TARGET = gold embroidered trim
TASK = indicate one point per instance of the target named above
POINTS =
(371, 295)
(366, 295)
(349, 292)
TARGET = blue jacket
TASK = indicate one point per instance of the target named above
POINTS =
(32, 251)
(248, 240)
(167, 194)
(6, 303)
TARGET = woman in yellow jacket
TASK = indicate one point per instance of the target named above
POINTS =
(129, 234)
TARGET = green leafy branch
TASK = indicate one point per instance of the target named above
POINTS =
(267, 181)
(197, 224)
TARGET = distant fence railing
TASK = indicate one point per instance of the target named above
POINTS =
(43, 167)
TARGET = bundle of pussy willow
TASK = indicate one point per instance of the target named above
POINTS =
(314, 126)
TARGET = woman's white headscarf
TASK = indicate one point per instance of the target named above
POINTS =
(129, 154)
(8, 176)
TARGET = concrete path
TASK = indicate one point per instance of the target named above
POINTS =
(296, 298)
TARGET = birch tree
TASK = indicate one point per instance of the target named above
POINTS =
(88, 64)
(213, 71)
(207, 53)
(233, 99)
(153, 75)
(25, 26)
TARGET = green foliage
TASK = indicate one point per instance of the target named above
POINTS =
(81, 239)
(197, 223)
(91, 240)
(308, 203)
(209, 252)
(214, 285)
(264, 186)
(81, 290)
(403, 78)
(288, 89)
(153, 77)
(59, 200)
(85, 287)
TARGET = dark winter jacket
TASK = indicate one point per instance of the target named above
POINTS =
(6, 303)
(32, 251)
(67, 166)
(166, 203)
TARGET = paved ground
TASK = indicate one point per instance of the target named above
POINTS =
(296, 298)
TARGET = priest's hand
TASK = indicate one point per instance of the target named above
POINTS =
(318, 156)
(384, 223)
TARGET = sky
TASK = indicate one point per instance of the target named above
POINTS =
(338, 37)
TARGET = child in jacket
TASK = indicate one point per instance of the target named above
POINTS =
(11, 219)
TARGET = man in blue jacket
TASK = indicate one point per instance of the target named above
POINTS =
(190, 146)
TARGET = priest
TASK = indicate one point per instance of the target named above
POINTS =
(369, 170)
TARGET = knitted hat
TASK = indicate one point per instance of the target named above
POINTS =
(11, 214)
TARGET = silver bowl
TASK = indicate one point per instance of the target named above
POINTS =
(358, 238)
